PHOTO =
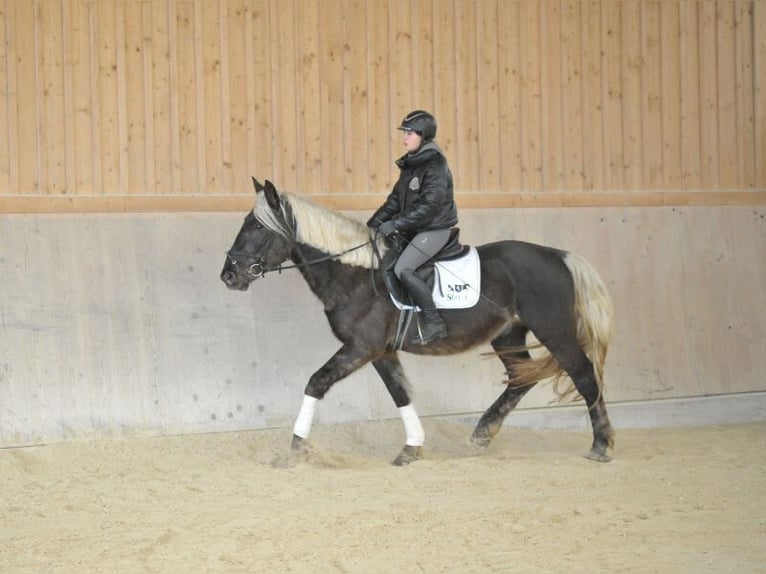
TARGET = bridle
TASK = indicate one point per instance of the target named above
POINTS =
(258, 268)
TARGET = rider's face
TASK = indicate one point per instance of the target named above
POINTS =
(411, 141)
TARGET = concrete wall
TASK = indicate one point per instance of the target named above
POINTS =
(119, 325)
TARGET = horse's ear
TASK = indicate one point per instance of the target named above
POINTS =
(258, 185)
(272, 196)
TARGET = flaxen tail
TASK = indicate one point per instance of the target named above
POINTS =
(594, 313)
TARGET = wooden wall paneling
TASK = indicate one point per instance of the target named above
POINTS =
(236, 140)
(69, 185)
(137, 81)
(670, 50)
(121, 87)
(488, 93)
(422, 17)
(445, 85)
(380, 152)
(708, 87)
(108, 124)
(148, 61)
(260, 94)
(312, 117)
(759, 69)
(83, 150)
(630, 26)
(334, 131)
(285, 127)
(691, 135)
(400, 61)
(531, 135)
(509, 95)
(28, 98)
(593, 152)
(171, 166)
(611, 31)
(727, 106)
(6, 107)
(224, 32)
(356, 162)
(214, 110)
(467, 105)
(183, 43)
(744, 87)
(651, 95)
(52, 133)
(572, 87)
(552, 96)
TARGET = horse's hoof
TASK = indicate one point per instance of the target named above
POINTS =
(299, 445)
(409, 454)
(598, 455)
(480, 440)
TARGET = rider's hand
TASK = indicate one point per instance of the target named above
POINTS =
(387, 228)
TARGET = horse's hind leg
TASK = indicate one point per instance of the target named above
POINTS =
(390, 370)
(492, 420)
(580, 369)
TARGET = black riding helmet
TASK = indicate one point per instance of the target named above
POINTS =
(420, 122)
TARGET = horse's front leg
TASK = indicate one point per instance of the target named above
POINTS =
(343, 363)
(390, 370)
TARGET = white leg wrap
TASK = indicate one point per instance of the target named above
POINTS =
(302, 426)
(416, 436)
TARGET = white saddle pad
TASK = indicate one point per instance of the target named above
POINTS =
(457, 283)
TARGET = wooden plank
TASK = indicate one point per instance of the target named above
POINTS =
(68, 94)
(105, 34)
(708, 87)
(509, 72)
(467, 162)
(614, 174)
(260, 79)
(285, 122)
(52, 149)
(531, 133)
(759, 66)
(572, 88)
(28, 98)
(224, 95)
(671, 94)
(356, 164)
(593, 153)
(381, 128)
(309, 170)
(422, 14)
(367, 201)
(214, 110)
(123, 134)
(401, 55)
(331, 61)
(691, 152)
(147, 73)
(651, 96)
(745, 91)
(163, 121)
(631, 95)
(183, 42)
(5, 101)
(552, 98)
(488, 144)
(727, 96)
(134, 90)
(237, 172)
(445, 85)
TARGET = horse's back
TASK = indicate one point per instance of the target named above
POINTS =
(536, 275)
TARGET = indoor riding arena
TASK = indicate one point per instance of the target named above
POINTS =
(147, 410)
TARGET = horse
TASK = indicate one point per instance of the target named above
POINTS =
(555, 295)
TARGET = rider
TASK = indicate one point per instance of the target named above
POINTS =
(421, 208)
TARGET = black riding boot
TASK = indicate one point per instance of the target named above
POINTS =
(432, 327)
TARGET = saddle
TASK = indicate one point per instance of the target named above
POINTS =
(454, 276)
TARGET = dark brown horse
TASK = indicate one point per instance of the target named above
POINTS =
(555, 295)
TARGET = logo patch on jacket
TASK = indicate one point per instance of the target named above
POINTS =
(414, 184)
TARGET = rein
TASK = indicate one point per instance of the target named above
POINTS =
(259, 268)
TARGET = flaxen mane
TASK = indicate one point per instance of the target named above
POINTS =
(328, 231)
